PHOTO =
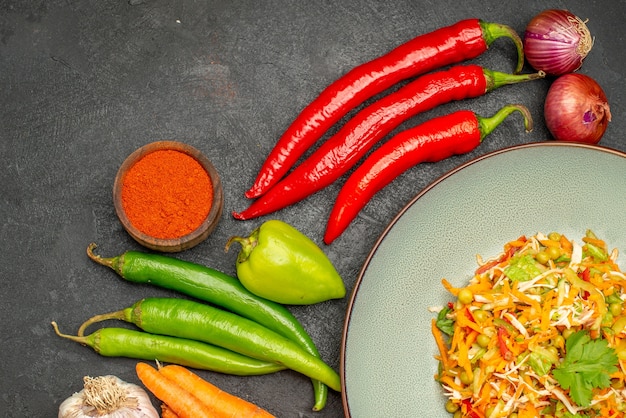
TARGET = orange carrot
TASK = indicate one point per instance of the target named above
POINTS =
(595, 241)
(549, 243)
(219, 402)
(178, 400)
(520, 242)
(566, 244)
(166, 412)
(441, 345)
(453, 290)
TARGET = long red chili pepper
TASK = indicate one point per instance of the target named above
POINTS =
(432, 141)
(337, 155)
(461, 41)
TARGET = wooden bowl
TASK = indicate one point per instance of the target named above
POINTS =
(177, 243)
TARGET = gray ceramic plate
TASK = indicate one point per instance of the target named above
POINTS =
(387, 362)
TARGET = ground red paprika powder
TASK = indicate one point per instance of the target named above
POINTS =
(166, 194)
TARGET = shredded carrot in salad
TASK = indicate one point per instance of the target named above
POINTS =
(540, 330)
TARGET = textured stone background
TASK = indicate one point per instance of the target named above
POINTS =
(85, 83)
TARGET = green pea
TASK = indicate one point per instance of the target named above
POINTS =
(558, 341)
(554, 236)
(553, 252)
(451, 407)
(480, 315)
(483, 340)
(542, 257)
(465, 296)
(567, 332)
(615, 309)
(465, 378)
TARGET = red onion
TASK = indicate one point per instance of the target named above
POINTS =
(576, 109)
(557, 42)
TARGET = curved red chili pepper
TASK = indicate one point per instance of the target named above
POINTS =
(337, 155)
(434, 140)
(448, 45)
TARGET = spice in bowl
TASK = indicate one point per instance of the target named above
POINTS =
(168, 196)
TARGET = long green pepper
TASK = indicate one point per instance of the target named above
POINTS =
(122, 342)
(197, 321)
(215, 287)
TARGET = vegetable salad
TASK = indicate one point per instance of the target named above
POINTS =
(539, 330)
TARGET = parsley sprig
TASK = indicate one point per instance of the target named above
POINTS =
(445, 324)
(587, 365)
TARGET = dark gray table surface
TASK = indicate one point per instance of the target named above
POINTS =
(85, 83)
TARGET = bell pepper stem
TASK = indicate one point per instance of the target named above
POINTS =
(247, 245)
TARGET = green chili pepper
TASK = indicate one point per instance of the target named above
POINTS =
(197, 321)
(217, 288)
(122, 342)
(279, 263)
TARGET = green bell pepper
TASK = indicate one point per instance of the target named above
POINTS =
(279, 263)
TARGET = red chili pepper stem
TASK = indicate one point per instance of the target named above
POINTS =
(434, 140)
(493, 31)
(497, 79)
(489, 124)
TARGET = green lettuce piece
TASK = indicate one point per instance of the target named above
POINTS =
(446, 325)
(539, 364)
(541, 360)
(522, 268)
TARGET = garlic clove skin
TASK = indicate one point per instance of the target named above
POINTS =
(108, 397)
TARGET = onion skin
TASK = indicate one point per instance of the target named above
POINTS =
(556, 41)
(576, 109)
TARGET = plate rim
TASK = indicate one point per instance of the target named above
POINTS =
(405, 208)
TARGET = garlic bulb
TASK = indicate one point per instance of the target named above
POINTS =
(108, 397)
